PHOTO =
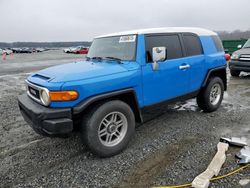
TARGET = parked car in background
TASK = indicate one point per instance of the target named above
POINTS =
(69, 50)
(240, 60)
(66, 50)
(39, 49)
(7, 51)
(76, 50)
(16, 50)
(80, 50)
(123, 75)
(26, 50)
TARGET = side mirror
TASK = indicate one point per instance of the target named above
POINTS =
(159, 54)
(239, 46)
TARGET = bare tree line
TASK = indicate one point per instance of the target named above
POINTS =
(234, 35)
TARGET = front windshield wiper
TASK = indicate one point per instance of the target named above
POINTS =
(107, 58)
(98, 58)
(114, 58)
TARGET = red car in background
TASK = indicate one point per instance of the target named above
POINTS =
(80, 50)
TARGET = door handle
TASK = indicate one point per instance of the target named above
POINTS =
(182, 67)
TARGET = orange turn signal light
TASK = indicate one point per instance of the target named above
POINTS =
(63, 95)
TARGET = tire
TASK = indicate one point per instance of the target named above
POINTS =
(235, 73)
(210, 97)
(97, 127)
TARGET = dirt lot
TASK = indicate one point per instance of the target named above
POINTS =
(172, 147)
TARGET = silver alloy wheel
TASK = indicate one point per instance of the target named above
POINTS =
(112, 129)
(215, 94)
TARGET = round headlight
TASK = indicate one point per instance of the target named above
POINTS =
(44, 95)
(235, 56)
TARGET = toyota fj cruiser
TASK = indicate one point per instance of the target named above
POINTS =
(123, 74)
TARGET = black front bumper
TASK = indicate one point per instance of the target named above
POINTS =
(239, 65)
(52, 121)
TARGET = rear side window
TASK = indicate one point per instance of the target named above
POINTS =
(192, 45)
(171, 42)
(218, 43)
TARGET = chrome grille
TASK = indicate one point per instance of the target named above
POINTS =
(34, 91)
(244, 57)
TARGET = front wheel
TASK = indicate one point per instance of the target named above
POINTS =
(108, 128)
(209, 99)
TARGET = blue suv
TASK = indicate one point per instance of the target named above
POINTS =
(123, 74)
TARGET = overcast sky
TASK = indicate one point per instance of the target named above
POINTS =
(80, 20)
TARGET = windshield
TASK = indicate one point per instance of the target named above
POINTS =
(247, 44)
(120, 47)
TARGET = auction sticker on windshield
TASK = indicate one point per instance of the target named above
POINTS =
(128, 38)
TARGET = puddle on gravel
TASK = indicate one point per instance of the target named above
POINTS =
(189, 105)
(237, 97)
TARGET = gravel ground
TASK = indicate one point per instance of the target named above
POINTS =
(172, 147)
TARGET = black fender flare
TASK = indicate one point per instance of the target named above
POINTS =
(214, 71)
(87, 102)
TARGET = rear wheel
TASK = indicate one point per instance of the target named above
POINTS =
(108, 128)
(209, 99)
(234, 73)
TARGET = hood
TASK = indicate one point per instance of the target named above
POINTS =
(243, 51)
(84, 70)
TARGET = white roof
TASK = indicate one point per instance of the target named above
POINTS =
(195, 30)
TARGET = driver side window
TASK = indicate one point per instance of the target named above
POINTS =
(171, 42)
